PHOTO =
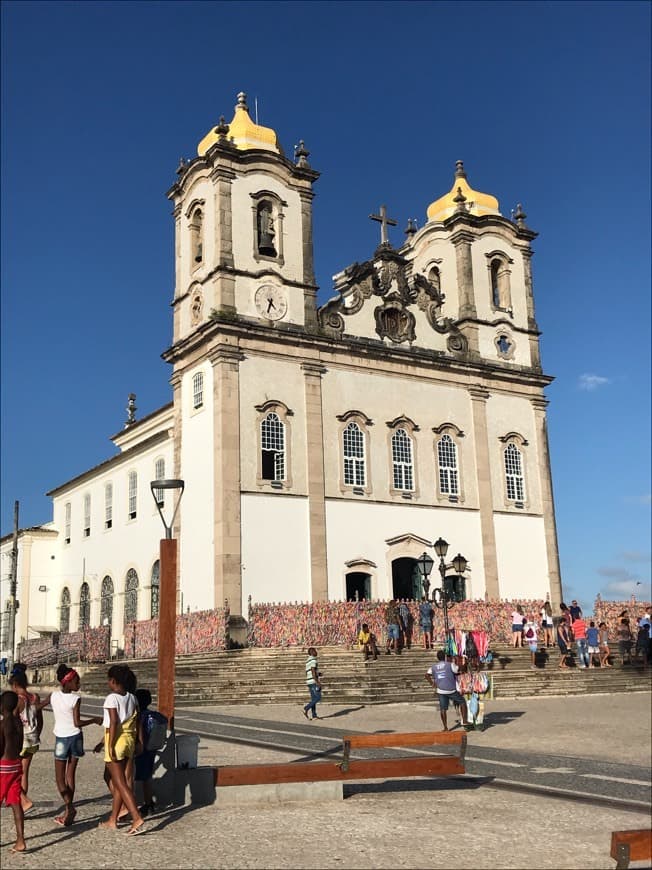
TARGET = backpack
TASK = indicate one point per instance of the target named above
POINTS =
(529, 633)
(156, 730)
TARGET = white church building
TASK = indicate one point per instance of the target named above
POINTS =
(322, 449)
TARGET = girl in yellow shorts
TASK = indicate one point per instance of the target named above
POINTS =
(121, 733)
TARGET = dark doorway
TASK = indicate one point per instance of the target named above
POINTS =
(406, 581)
(358, 581)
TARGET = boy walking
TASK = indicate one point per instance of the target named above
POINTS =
(11, 767)
(313, 683)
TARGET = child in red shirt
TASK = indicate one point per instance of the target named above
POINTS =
(11, 767)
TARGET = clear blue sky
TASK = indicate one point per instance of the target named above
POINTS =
(547, 103)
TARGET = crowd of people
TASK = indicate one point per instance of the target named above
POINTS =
(132, 736)
(591, 641)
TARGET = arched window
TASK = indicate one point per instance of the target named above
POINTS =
(64, 611)
(196, 237)
(499, 276)
(403, 472)
(133, 495)
(434, 276)
(514, 480)
(266, 228)
(159, 474)
(197, 390)
(106, 602)
(131, 596)
(354, 456)
(84, 606)
(155, 588)
(272, 439)
(448, 472)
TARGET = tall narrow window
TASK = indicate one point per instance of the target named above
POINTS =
(131, 596)
(108, 506)
(354, 458)
(272, 437)
(156, 586)
(87, 515)
(499, 277)
(106, 602)
(448, 472)
(514, 475)
(196, 238)
(84, 607)
(197, 390)
(159, 474)
(402, 461)
(68, 515)
(266, 229)
(133, 495)
(64, 611)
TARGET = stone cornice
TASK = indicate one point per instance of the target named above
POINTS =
(461, 236)
(479, 393)
(313, 368)
(502, 321)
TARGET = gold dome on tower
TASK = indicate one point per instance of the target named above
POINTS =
(474, 202)
(243, 133)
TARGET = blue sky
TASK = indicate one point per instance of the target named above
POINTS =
(547, 103)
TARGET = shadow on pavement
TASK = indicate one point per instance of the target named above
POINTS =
(501, 718)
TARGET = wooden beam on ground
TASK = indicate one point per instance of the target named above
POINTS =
(318, 771)
(629, 846)
(414, 738)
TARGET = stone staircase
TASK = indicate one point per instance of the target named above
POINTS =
(274, 676)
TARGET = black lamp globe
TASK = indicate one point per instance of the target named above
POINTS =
(459, 563)
(441, 547)
(424, 564)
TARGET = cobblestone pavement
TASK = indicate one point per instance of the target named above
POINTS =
(421, 824)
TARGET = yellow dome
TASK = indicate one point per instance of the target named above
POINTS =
(475, 202)
(243, 131)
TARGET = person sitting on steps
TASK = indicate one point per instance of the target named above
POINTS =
(367, 642)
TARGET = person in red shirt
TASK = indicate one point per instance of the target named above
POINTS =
(579, 632)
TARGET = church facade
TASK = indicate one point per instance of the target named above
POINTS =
(323, 449)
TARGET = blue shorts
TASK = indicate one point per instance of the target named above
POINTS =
(68, 747)
(145, 765)
(516, 627)
(393, 632)
(455, 697)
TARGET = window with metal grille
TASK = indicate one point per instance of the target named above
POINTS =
(131, 596)
(108, 506)
(68, 515)
(106, 602)
(159, 474)
(354, 458)
(87, 516)
(197, 390)
(272, 439)
(155, 588)
(402, 461)
(448, 472)
(64, 611)
(84, 606)
(133, 495)
(514, 474)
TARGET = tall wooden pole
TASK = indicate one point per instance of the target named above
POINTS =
(167, 628)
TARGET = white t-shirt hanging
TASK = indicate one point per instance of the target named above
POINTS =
(125, 704)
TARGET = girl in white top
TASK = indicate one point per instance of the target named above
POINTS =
(122, 733)
(69, 743)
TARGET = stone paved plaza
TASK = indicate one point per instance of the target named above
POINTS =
(420, 824)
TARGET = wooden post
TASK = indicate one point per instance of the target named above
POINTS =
(167, 628)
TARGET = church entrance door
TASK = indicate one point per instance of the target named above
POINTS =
(406, 581)
(360, 583)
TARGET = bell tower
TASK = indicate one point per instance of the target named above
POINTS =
(243, 229)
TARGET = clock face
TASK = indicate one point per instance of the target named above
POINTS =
(271, 302)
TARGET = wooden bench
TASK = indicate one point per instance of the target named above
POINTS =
(629, 846)
(378, 768)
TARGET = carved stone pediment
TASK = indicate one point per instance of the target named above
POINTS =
(389, 276)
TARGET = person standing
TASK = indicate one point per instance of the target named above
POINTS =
(579, 633)
(405, 626)
(563, 642)
(593, 641)
(425, 622)
(31, 716)
(625, 640)
(313, 682)
(441, 677)
(517, 626)
(392, 620)
(605, 652)
(68, 739)
(547, 626)
(530, 634)
(11, 769)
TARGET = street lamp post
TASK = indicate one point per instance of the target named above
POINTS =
(167, 599)
(442, 597)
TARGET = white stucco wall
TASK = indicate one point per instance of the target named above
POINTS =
(522, 559)
(275, 548)
(482, 246)
(513, 414)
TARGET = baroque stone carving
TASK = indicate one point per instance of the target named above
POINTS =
(395, 322)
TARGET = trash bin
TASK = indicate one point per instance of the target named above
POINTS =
(187, 749)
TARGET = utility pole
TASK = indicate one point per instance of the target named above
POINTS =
(13, 587)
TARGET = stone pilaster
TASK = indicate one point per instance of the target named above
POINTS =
(310, 296)
(547, 501)
(462, 240)
(224, 293)
(479, 398)
(316, 480)
(176, 325)
(225, 360)
(529, 289)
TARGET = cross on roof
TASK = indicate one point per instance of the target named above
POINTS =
(384, 223)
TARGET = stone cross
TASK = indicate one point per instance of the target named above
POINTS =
(384, 223)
